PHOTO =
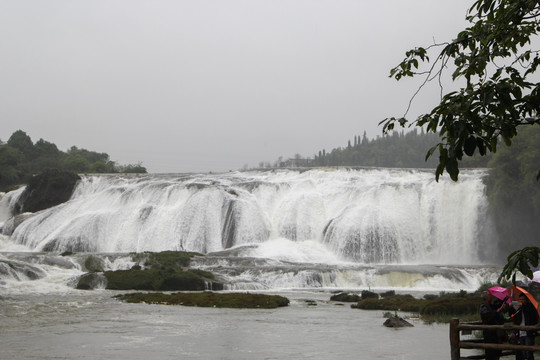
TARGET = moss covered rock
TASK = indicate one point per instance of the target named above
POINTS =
(396, 302)
(209, 299)
(432, 307)
(94, 264)
(163, 271)
(91, 281)
(164, 259)
(366, 294)
(154, 279)
(345, 297)
(397, 322)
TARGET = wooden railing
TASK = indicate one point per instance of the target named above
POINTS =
(456, 343)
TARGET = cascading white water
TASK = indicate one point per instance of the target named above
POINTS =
(363, 216)
(8, 202)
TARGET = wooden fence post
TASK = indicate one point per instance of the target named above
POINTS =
(454, 340)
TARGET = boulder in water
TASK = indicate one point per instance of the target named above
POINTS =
(366, 294)
(92, 281)
(17, 270)
(396, 321)
(209, 299)
(94, 264)
(345, 297)
(157, 280)
(48, 189)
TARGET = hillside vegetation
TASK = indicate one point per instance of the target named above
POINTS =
(21, 158)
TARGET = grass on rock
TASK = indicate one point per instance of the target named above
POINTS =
(209, 299)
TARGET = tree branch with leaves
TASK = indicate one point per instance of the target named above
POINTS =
(495, 62)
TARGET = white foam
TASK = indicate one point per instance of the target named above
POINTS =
(365, 216)
(298, 252)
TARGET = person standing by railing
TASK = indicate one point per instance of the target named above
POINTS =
(525, 315)
(490, 313)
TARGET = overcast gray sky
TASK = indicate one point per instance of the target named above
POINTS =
(210, 85)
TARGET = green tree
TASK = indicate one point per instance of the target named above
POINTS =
(76, 163)
(45, 156)
(20, 159)
(90, 156)
(132, 168)
(45, 148)
(514, 193)
(10, 172)
(495, 59)
(99, 167)
(22, 142)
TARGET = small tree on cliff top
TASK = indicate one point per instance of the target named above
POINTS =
(497, 60)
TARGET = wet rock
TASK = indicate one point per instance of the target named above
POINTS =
(345, 297)
(397, 322)
(16, 270)
(209, 299)
(58, 261)
(163, 271)
(92, 281)
(48, 189)
(369, 295)
(94, 264)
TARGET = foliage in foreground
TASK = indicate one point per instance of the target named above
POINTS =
(496, 60)
(497, 65)
(209, 299)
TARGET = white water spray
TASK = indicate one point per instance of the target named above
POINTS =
(363, 216)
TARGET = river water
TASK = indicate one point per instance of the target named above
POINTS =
(93, 325)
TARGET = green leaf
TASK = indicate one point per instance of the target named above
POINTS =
(470, 145)
(452, 168)
(481, 146)
(432, 150)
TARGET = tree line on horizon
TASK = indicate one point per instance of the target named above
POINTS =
(21, 158)
(398, 150)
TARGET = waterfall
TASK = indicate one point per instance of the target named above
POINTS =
(8, 202)
(385, 216)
